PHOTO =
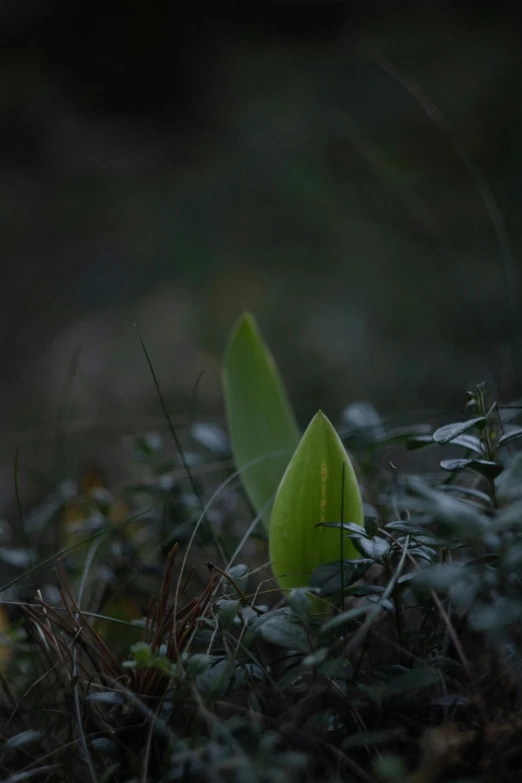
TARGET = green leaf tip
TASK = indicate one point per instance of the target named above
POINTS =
(312, 492)
(262, 427)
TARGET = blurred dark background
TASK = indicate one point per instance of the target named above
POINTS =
(350, 171)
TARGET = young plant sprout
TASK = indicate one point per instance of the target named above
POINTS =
(312, 492)
(312, 479)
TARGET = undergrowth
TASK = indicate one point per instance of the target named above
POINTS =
(145, 639)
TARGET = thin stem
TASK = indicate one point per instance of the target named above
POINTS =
(179, 447)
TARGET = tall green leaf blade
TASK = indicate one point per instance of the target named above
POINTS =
(311, 492)
(262, 427)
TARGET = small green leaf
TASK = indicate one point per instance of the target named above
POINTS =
(374, 548)
(142, 653)
(327, 578)
(316, 658)
(312, 492)
(450, 431)
(106, 747)
(256, 621)
(510, 482)
(198, 663)
(284, 633)
(371, 526)
(40, 771)
(420, 535)
(423, 553)
(345, 618)
(239, 574)
(468, 491)
(439, 507)
(469, 442)
(262, 427)
(22, 740)
(351, 527)
(488, 559)
(300, 603)
(511, 436)
(485, 467)
(215, 680)
(17, 557)
(227, 613)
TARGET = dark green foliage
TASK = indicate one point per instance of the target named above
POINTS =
(417, 649)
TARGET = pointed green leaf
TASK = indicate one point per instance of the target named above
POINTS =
(262, 427)
(311, 492)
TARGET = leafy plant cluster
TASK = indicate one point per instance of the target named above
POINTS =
(364, 624)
